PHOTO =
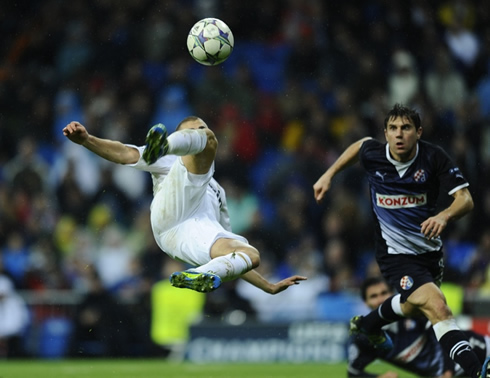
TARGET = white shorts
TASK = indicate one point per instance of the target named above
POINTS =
(185, 216)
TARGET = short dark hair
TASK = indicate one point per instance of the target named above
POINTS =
(186, 119)
(370, 281)
(404, 112)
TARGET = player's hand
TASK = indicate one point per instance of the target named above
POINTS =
(447, 374)
(76, 132)
(285, 283)
(321, 187)
(389, 374)
(433, 226)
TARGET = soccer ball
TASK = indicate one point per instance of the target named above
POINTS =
(210, 41)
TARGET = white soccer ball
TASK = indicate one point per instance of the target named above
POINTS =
(210, 41)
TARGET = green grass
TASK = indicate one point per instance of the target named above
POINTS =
(128, 368)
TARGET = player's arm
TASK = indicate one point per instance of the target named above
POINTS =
(111, 150)
(461, 205)
(346, 159)
(255, 278)
(359, 357)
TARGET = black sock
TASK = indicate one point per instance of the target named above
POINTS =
(455, 344)
(478, 344)
(380, 317)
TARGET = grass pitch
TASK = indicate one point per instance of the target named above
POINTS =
(131, 368)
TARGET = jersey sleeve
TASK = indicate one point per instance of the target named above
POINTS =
(366, 147)
(360, 355)
(161, 166)
(451, 178)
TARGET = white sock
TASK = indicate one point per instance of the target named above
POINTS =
(227, 267)
(396, 305)
(444, 326)
(186, 142)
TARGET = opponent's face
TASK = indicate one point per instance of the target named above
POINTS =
(197, 124)
(377, 294)
(402, 137)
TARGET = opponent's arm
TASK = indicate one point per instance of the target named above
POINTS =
(255, 278)
(111, 150)
(347, 158)
(388, 374)
(461, 205)
(361, 356)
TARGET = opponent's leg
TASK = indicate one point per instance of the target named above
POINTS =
(431, 301)
(370, 325)
(455, 343)
(485, 371)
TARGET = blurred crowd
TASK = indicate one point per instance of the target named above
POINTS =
(306, 79)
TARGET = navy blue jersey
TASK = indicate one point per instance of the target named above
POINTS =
(403, 195)
(415, 349)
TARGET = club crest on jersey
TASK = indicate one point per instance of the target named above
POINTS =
(420, 176)
(406, 282)
(401, 200)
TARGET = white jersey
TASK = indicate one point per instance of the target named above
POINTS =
(188, 212)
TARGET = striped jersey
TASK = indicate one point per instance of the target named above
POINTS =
(404, 194)
(415, 348)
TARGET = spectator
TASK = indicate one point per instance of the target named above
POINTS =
(404, 81)
(102, 326)
(322, 105)
(15, 256)
(14, 318)
(445, 86)
(173, 312)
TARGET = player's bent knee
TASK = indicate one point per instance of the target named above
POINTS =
(212, 142)
(254, 256)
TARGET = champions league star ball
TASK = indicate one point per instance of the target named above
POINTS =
(210, 41)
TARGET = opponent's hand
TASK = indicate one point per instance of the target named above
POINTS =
(76, 132)
(285, 283)
(321, 187)
(389, 374)
(433, 226)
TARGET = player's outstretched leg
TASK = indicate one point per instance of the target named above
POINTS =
(485, 370)
(156, 143)
(198, 281)
(379, 340)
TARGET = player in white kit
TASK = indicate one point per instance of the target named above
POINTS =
(189, 214)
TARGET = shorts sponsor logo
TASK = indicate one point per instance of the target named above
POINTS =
(406, 282)
(400, 201)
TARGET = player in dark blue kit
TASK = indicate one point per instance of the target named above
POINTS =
(415, 347)
(405, 176)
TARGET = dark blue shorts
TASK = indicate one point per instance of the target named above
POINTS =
(406, 273)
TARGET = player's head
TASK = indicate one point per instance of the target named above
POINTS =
(401, 111)
(192, 122)
(402, 131)
(374, 291)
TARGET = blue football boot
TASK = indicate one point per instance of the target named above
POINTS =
(379, 340)
(198, 281)
(156, 143)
